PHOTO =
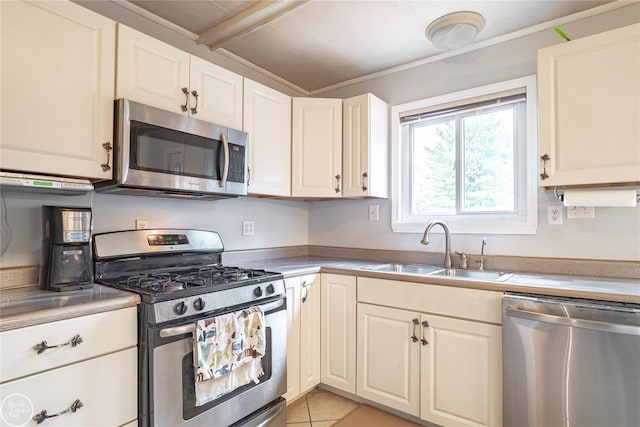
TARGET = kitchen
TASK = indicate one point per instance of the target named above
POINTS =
(609, 239)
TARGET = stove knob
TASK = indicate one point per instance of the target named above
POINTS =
(257, 291)
(180, 308)
(199, 304)
(270, 289)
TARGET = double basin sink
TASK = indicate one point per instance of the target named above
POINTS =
(429, 270)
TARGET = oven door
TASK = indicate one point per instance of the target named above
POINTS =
(171, 390)
(158, 149)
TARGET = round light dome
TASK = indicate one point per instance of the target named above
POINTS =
(454, 30)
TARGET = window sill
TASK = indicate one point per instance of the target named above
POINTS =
(468, 228)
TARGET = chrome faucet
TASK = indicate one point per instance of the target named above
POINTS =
(447, 253)
(481, 261)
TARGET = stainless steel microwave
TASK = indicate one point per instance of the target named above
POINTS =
(165, 154)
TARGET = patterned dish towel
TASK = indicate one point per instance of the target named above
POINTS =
(227, 352)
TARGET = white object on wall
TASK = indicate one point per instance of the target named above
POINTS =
(619, 198)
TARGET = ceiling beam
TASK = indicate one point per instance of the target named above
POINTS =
(250, 19)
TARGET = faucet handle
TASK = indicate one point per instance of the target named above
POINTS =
(463, 260)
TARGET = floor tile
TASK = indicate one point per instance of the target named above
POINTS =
(299, 425)
(298, 411)
(329, 406)
(323, 423)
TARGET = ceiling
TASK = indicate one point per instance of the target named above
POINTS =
(319, 44)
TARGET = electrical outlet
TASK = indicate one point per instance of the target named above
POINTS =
(248, 228)
(554, 215)
(142, 224)
(580, 212)
(374, 213)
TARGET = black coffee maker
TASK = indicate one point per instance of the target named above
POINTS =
(67, 261)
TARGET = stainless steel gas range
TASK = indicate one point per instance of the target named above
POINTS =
(183, 286)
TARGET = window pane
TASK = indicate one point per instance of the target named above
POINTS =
(434, 177)
(488, 141)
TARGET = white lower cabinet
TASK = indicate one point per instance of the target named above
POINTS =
(338, 332)
(445, 370)
(99, 392)
(81, 371)
(303, 334)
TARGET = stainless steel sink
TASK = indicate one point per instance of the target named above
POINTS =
(496, 276)
(405, 268)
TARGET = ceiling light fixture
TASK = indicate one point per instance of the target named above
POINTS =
(454, 30)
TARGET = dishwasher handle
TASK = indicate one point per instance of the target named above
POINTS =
(571, 322)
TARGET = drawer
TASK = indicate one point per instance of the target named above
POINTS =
(106, 386)
(101, 333)
(464, 303)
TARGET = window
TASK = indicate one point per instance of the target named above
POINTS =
(469, 159)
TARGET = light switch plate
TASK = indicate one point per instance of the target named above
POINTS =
(374, 213)
(580, 212)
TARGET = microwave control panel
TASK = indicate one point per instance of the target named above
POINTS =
(237, 159)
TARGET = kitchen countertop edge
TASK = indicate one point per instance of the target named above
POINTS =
(83, 305)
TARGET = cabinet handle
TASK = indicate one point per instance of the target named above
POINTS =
(425, 324)
(225, 168)
(186, 99)
(364, 185)
(42, 415)
(43, 346)
(107, 147)
(414, 338)
(306, 292)
(544, 159)
(194, 110)
(248, 177)
(337, 184)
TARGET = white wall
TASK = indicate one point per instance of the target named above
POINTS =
(613, 234)
(277, 223)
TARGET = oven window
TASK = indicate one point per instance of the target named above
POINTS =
(190, 410)
(168, 151)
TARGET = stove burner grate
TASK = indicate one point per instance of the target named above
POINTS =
(163, 282)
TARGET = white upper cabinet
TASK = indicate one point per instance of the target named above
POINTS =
(155, 73)
(56, 108)
(316, 169)
(589, 109)
(267, 119)
(365, 153)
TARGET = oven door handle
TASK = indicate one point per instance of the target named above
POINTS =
(189, 328)
(177, 330)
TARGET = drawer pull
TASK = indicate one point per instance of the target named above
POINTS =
(414, 338)
(42, 415)
(43, 346)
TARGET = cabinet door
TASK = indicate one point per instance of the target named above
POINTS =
(316, 169)
(338, 332)
(461, 372)
(309, 332)
(365, 150)
(267, 119)
(589, 109)
(151, 72)
(293, 338)
(388, 357)
(219, 94)
(107, 387)
(56, 96)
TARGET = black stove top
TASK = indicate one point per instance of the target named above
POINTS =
(162, 286)
(168, 264)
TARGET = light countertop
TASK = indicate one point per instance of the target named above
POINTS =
(599, 288)
(30, 306)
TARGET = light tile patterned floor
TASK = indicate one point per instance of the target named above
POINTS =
(318, 408)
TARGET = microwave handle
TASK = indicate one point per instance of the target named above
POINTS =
(225, 168)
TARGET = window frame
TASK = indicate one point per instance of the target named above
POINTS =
(524, 221)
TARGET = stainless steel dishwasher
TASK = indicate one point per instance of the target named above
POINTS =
(570, 362)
